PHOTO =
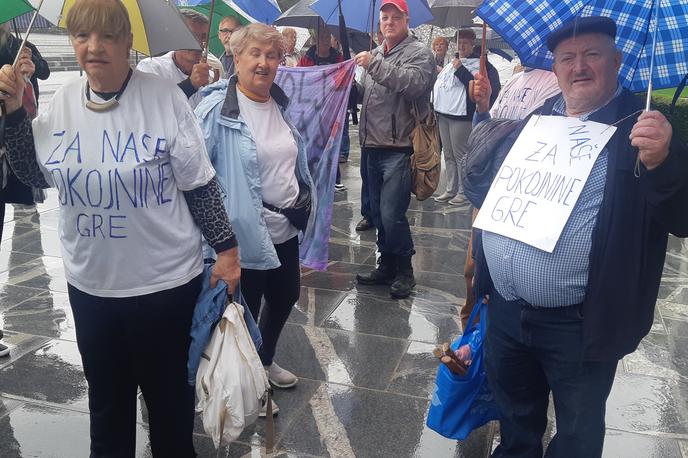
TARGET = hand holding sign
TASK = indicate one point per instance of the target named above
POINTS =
(652, 136)
(539, 183)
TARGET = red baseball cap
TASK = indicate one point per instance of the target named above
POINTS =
(399, 4)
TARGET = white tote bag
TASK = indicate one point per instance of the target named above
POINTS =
(231, 384)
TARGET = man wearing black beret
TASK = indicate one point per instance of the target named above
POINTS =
(559, 322)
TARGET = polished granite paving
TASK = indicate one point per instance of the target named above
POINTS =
(363, 359)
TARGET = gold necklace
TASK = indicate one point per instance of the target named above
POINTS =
(109, 104)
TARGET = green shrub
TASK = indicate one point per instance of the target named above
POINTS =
(679, 118)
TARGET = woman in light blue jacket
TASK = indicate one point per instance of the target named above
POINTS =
(260, 159)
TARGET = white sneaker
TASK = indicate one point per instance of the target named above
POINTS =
(458, 200)
(279, 377)
(264, 410)
(4, 350)
(446, 197)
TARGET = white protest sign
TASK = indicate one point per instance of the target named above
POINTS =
(539, 183)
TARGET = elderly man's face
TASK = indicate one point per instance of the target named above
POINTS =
(227, 27)
(186, 59)
(587, 67)
(393, 24)
(256, 66)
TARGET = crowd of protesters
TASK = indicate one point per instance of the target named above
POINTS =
(559, 322)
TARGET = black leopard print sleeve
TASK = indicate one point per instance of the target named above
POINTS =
(208, 211)
(21, 151)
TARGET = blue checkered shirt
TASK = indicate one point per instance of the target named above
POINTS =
(559, 278)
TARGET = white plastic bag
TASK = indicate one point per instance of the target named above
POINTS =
(231, 382)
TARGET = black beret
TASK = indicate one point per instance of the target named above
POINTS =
(580, 26)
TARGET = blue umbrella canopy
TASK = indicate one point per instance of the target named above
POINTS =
(363, 14)
(525, 25)
(264, 11)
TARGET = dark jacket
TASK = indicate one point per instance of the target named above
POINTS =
(311, 58)
(629, 239)
(10, 50)
(466, 77)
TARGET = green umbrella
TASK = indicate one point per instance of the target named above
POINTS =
(221, 10)
(13, 8)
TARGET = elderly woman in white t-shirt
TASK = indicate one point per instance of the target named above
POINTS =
(136, 191)
(261, 162)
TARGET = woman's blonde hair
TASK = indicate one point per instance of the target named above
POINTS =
(440, 40)
(257, 32)
(104, 16)
(288, 31)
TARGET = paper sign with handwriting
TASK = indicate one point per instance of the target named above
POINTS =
(539, 183)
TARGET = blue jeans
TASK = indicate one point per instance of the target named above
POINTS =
(346, 140)
(389, 188)
(531, 351)
(365, 196)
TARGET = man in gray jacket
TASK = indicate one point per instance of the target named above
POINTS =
(399, 74)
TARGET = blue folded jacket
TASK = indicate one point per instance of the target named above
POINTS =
(209, 309)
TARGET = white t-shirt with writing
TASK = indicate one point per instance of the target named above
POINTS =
(125, 227)
(276, 151)
(523, 93)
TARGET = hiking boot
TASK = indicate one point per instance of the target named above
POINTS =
(383, 274)
(264, 409)
(364, 225)
(279, 377)
(403, 281)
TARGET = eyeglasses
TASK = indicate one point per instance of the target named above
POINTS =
(226, 31)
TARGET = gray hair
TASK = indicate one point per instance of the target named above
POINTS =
(257, 32)
(194, 16)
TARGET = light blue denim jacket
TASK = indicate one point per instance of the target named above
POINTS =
(210, 306)
(232, 151)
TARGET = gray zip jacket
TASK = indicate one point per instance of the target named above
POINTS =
(390, 86)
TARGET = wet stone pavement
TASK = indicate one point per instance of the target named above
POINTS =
(364, 362)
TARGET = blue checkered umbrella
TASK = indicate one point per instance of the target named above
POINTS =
(525, 25)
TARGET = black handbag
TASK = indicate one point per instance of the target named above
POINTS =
(298, 214)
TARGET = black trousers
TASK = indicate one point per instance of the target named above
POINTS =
(132, 342)
(281, 288)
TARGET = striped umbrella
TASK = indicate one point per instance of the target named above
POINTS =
(156, 24)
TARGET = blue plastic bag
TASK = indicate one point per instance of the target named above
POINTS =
(461, 404)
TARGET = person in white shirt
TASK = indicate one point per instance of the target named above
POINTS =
(291, 56)
(184, 66)
(524, 92)
(136, 191)
(261, 161)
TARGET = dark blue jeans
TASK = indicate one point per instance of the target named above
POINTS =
(389, 188)
(346, 140)
(365, 195)
(531, 351)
